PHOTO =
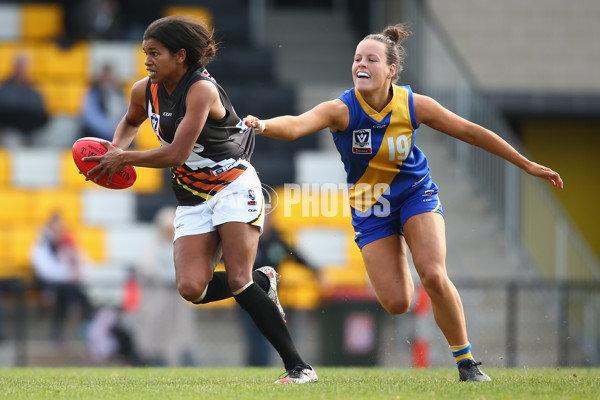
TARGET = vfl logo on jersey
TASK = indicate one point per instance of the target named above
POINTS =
(155, 121)
(361, 141)
(251, 197)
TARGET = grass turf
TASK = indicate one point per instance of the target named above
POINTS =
(256, 383)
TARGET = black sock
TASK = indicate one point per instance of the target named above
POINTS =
(218, 288)
(266, 316)
(261, 280)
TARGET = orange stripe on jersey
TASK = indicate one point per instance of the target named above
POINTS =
(154, 92)
(198, 180)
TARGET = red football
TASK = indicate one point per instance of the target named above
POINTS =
(91, 146)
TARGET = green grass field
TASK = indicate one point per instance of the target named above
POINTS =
(256, 383)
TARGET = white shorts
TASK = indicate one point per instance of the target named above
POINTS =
(241, 201)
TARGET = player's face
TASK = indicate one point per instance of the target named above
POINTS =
(370, 70)
(162, 66)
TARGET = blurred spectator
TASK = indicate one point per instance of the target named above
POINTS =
(104, 106)
(16, 288)
(109, 341)
(108, 19)
(272, 251)
(21, 105)
(91, 19)
(164, 327)
(57, 265)
(138, 14)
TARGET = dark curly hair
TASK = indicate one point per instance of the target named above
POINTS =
(179, 32)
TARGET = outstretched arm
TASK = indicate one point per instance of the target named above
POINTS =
(330, 114)
(431, 113)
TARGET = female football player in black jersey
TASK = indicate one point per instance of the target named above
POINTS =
(220, 201)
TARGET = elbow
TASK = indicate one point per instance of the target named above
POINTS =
(176, 159)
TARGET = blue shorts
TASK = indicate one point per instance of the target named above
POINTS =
(421, 199)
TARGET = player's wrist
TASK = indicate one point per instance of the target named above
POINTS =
(260, 128)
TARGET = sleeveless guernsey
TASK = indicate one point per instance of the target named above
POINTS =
(378, 150)
(215, 161)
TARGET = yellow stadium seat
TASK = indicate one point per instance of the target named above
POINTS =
(7, 55)
(139, 67)
(69, 64)
(17, 241)
(63, 98)
(92, 241)
(4, 267)
(15, 206)
(227, 303)
(49, 201)
(149, 180)
(9, 265)
(70, 176)
(41, 21)
(37, 54)
(299, 289)
(298, 208)
(4, 169)
(146, 138)
(201, 14)
(344, 277)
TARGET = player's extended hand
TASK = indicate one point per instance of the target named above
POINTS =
(253, 122)
(546, 173)
(108, 163)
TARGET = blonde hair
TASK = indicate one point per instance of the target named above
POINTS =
(392, 37)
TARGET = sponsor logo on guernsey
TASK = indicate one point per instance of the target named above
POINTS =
(428, 192)
(361, 141)
(220, 170)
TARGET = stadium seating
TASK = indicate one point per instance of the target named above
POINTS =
(111, 226)
(10, 22)
(41, 21)
(14, 206)
(200, 13)
(4, 168)
(45, 202)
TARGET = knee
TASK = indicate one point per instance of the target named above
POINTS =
(434, 281)
(397, 306)
(191, 291)
(399, 302)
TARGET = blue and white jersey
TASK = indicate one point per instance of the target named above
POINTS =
(378, 150)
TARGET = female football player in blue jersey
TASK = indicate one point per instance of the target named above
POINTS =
(393, 199)
(219, 195)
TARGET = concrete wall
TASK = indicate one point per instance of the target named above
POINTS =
(539, 45)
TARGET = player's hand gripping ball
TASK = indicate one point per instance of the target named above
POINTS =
(91, 146)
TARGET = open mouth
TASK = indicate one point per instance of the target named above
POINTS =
(362, 74)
